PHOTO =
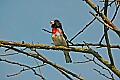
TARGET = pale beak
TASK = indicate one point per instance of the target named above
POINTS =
(52, 22)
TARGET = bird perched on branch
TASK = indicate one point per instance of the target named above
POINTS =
(59, 38)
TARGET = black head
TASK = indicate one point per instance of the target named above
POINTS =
(56, 24)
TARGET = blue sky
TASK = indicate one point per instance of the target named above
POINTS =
(23, 20)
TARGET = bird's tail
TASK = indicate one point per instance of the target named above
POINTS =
(67, 57)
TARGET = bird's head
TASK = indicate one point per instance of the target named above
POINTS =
(55, 24)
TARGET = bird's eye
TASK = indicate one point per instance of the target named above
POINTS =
(57, 24)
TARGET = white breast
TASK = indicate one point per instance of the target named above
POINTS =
(58, 39)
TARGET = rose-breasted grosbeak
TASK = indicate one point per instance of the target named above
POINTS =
(59, 38)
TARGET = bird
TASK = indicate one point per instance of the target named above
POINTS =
(59, 38)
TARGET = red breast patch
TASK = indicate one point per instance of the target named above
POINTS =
(54, 30)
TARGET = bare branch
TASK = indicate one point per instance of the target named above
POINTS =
(82, 29)
(103, 17)
(38, 67)
(101, 20)
(115, 14)
(93, 59)
(8, 54)
(11, 62)
(40, 46)
(106, 36)
(104, 68)
(66, 75)
(44, 61)
(102, 74)
(16, 73)
(88, 60)
(102, 39)
(46, 30)
(97, 45)
(104, 0)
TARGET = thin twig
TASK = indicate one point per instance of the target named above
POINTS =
(88, 60)
(101, 73)
(103, 68)
(24, 69)
(93, 59)
(97, 45)
(82, 29)
(101, 20)
(108, 5)
(8, 54)
(102, 39)
(46, 30)
(16, 63)
(38, 67)
(66, 75)
(115, 13)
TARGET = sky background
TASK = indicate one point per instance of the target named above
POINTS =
(23, 20)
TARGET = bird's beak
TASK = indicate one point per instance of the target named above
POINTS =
(52, 22)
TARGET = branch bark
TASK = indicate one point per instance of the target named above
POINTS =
(106, 35)
(7, 44)
(103, 16)
(43, 59)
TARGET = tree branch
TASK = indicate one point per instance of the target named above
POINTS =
(16, 63)
(103, 16)
(115, 13)
(40, 46)
(101, 21)
(43, 60)
(102, 74)
(97, 45)
(82, 29)
(106, 35)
